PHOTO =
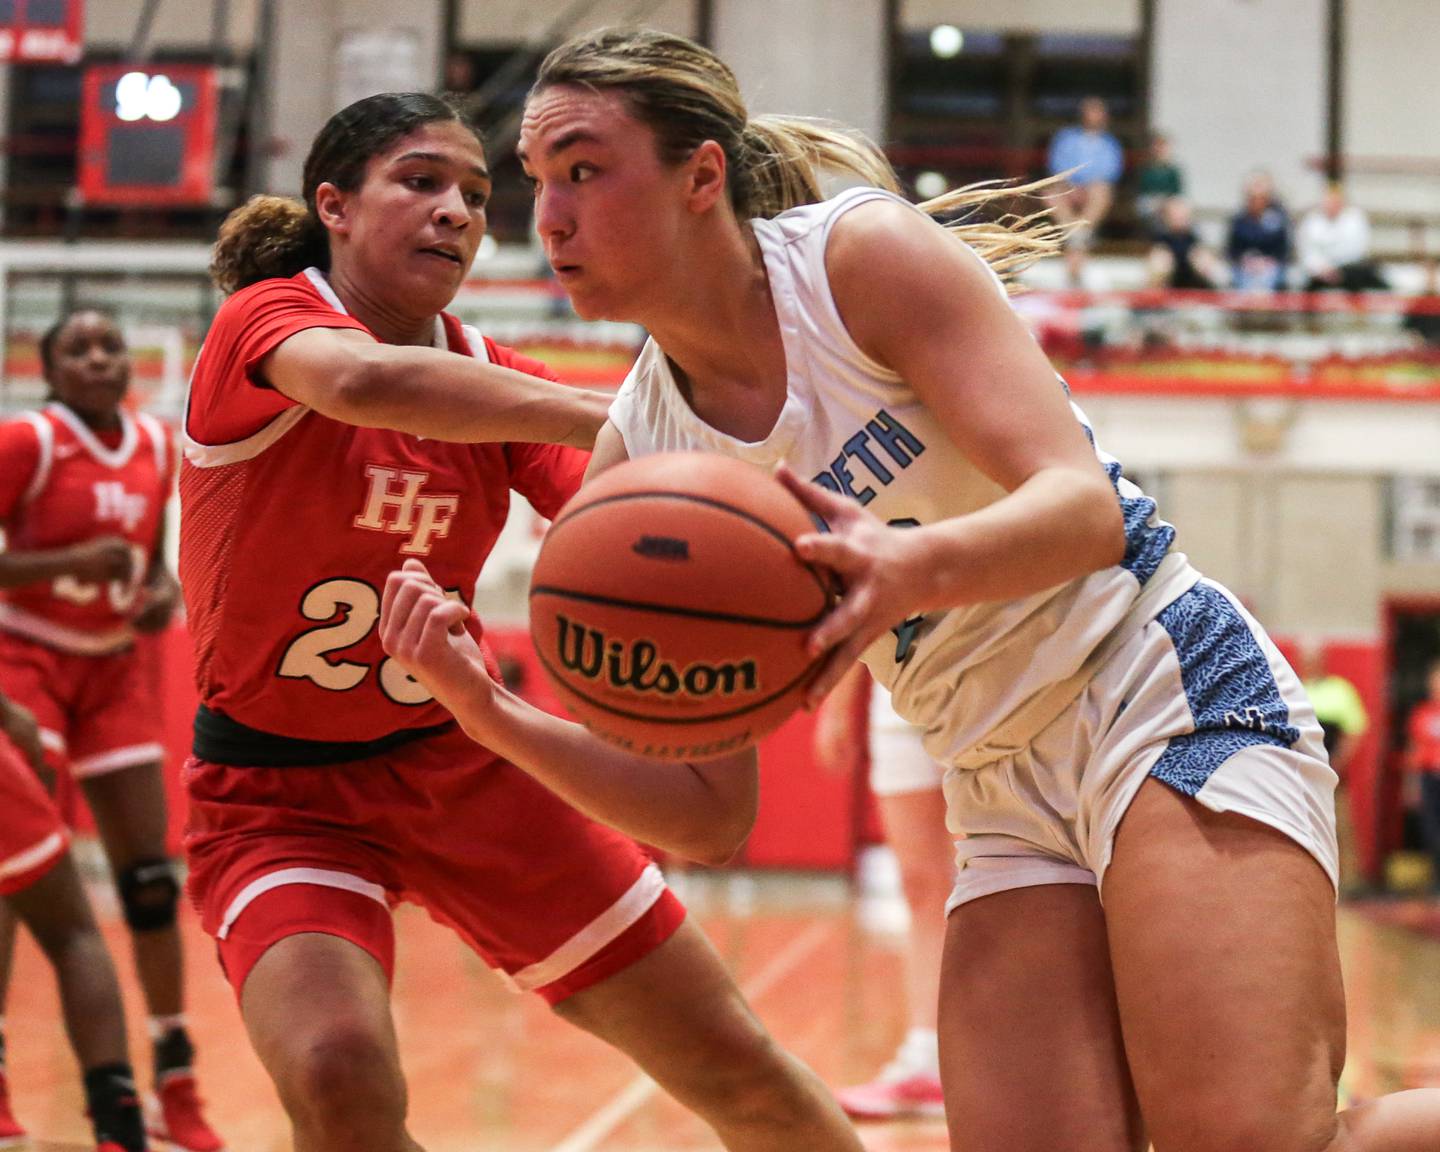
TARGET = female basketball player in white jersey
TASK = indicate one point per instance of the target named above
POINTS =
(1113, 725)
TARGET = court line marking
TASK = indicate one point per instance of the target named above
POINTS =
(628, 1100)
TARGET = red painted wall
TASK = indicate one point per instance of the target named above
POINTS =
(808, 819)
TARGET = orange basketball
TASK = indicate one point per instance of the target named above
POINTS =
(670, 609)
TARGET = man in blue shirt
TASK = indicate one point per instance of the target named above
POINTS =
(1259, 244)
(1097, 161)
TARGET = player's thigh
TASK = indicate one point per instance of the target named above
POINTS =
(54, 907)
(1030, 1048)
(1222, 941)
(129, 809)
(678, 1014)
(1098, 198)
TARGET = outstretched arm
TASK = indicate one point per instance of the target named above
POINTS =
(700, 811)
(348, 375)
(609, 451)
(919, 302)
(18, 723)
(91, 561)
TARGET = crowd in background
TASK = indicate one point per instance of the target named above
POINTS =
(1264, 249)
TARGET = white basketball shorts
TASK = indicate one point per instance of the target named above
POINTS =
(1199, 699)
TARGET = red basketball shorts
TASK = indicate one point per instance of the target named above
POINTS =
(32, 835)
(97, 714)
(549, 898)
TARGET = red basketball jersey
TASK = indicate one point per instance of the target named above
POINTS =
(292, 521)
(60, 484)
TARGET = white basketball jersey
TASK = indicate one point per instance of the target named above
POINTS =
(966, 675)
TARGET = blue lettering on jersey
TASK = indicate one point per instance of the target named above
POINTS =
(902, 446)
(894, 441)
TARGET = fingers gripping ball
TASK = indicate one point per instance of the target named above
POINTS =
(670, 609)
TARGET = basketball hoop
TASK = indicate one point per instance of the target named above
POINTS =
(1263, 424)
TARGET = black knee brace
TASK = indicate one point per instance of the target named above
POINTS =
(149, 894)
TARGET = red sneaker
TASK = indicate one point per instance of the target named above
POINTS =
(11, 1133)
(891, 1098)
(177, 1117)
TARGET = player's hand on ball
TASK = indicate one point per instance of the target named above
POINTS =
(424, 629)
(870, 560)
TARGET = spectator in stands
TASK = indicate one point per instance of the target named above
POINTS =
(1333, 246)
(1419, 316)
(1259, 246)
(459, 77)
(1422, 768)
(1177, 258)
(1092, 161)
(1158, 181)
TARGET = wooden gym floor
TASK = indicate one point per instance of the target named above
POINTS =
(492, 1070)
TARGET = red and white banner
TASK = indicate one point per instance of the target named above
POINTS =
(41, 31)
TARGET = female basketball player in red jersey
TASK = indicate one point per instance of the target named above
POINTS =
(340, 421)
(40, 886)
(1105, 715)
(83, 505)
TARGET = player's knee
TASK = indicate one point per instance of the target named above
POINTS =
(344, 1079)
(1243, 1128)
(765, 1088)
(149, 894)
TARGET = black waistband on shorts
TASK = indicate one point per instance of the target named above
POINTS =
(222, 740)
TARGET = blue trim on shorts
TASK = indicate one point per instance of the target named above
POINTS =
(1147, 537)
(1232, 693)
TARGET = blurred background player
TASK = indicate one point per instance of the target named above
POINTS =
(40, 886)
(906, 782)
(1422, 768)
(83, 488)
(1344, 721)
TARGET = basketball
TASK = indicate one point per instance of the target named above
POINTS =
(669, 607)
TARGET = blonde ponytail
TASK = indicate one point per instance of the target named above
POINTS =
(794, 160)
(800, 160)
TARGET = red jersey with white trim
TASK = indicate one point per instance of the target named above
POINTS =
(291, 521)
(60, 484)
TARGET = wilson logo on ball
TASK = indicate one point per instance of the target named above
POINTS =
(670, 609)
(640, 668)
(662, 548)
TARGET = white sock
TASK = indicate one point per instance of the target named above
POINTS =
(162, 1026)
(920, 1052)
